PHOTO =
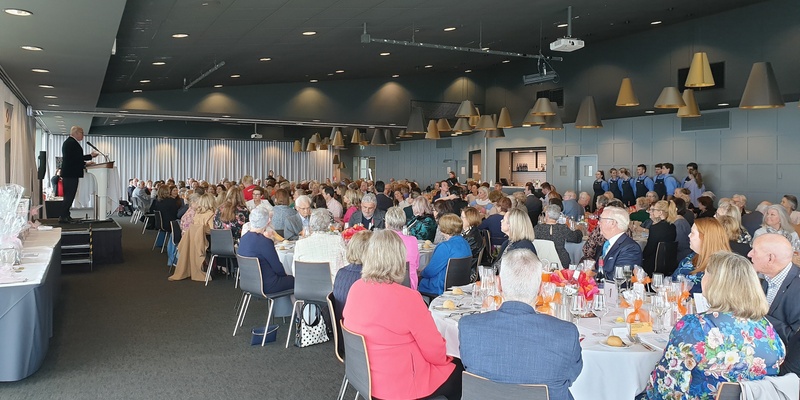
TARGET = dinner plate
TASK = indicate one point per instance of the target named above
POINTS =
(605, 344)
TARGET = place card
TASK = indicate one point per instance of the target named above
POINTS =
(700, 303)
(640, 327)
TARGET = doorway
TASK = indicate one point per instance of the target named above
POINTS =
(364, 168)
(474, 172)
(574, 173)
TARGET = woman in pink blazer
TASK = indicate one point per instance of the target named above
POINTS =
(406, 352)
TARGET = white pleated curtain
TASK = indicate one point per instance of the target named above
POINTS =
(211, 160)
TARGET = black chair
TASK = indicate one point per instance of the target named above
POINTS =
(221, 247)
(176, 236)
(474, 387)
(160, 227)
(728, 391)
(253, 285)
(486, 256)
(338, 343)
(457, 272)
(312, 284)
(407, 278)
(666, 258)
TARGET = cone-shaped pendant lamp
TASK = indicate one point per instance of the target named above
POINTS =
(356, 139)
(670, 98)
(403, 134)
(338, 140)
(553, 122)
(342, 166)
(336, 159)
(378, 138)
(311, 146)
(543, 107)
(699, 72)
(389, 136)
(761, 90)
(690, 110)
(444, 125)
(532, 120)
(494, 134)
(587, 115)
(462, 125)
(466, 109)
(296, 148)
(315, 138)
(323, 145)
(504, 121)
(473, 120)
(416, 122)
(486, 123)
(626, 96)
(433, 131)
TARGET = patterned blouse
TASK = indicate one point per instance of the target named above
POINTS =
(422, 227)
(708, 348)
(235, 226)
(685, 268)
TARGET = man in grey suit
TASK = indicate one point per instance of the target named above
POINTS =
(297, 225)
(571, 207)
(369, 215)
(772, 257)
(526, 347)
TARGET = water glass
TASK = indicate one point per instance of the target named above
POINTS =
(8, 256)
(658, 282)
(661, 306)
(619, 277)
(626, 269)
(600, 309)
(577, 307)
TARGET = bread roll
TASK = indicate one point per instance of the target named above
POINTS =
(449, 304)
(615, 341)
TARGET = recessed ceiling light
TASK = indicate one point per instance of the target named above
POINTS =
(506, 61)
(313, 81)
(339, 71)
(31, 48)
(46, 86)
(40, 70)
(215, 120)
(53, 105)
(450, 29)
(236, 76)
(655, 22)
(123, 111)
(468, 71)
(58, 116)
(429, 66)
(180, 35)
(112, 124)
(649, 112)
(395, 76)
(265, 59)
(50, 96)
(18, 12)
(315, 120)
(158, 63)
(385, 53)
(144, 81)
(217, 86)
(484, 48)
(562, 25)
(309, 33)
(392, 124)
(723, 104)
(137, 91)
(330, 74)
(226, 116)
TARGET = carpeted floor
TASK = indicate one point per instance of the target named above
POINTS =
(125, 332)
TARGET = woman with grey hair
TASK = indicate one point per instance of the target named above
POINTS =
(557, 233)
(423, 225)
(395, 221)
(321, 245)
(256, 243)
(776, 220)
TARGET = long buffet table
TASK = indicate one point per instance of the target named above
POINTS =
(26, 308)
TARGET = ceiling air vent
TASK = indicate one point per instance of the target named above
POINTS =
(707, 121)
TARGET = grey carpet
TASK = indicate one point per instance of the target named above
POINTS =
(125, 332)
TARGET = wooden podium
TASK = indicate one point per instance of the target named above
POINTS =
(101, 173)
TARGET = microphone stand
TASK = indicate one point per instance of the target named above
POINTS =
(98, 150)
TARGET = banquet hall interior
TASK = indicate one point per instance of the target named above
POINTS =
(220, 89)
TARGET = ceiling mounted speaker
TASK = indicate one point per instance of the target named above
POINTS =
(690, 110)
(699, 72)
(462, 125)
(466, 109)
(433, 131)
(444, 125)
(532, 120)
(626, 96)
(416, 121)
(587, 115)
(670, 98)
(761, 90)
(505, 119)
(543, 107)
(389, 136)
(378, 138)
(296, 148)
(356, 139)
(553, 122)
(338, 140)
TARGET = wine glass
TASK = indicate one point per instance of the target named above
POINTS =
(577, 307)
(658, 282)
(661, 305)
(600, 309)
(619, 277)
(626, 269)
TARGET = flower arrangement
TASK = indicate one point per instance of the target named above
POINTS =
(348, 233)
(585, 284)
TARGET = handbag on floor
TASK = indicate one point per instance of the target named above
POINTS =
(310, 328)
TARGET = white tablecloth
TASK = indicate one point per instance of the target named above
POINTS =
(608, 373)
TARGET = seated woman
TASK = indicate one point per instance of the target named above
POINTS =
(193, 245)
(395, 220)
(492, 222)
(470, 219)
(321, 245)
(663, 214)
(730, 209)
(351, 272)
(706, 238)
(641, 214)
(259, 199)
(233, 213)
(440, 207)
(705, 207)
(423, 225)
(557, 233)
(776, 220)
(682, 228)
(732, 229)
(257, 243)
(481, 201)
(789, 203)
(352, 203)
(518, 227)
(407, 354)
(431, 281)
(731, 342)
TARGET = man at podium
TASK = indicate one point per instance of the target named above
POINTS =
(72, 166)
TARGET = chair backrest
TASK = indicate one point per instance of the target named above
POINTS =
(666, 257)
(486, 238)
(176, 231)
(547, 249)
(312, 281)
(336, 324)
(250, 279)
(476, 387)
(407, 278)
(728, 391)
(356, 364)
(137, 203)
(158, 224)
(279, 232)
(458, 271)
(222, 243)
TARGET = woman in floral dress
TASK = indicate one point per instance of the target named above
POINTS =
(731, 342)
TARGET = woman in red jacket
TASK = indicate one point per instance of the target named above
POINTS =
(407, 356)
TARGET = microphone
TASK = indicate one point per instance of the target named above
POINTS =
(98, 150)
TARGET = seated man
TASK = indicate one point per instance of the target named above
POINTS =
(619, 249)
(772, 257)
(556, 349)
(369, 215)
(571, 207)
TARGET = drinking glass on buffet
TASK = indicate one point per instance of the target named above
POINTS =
(577, 307)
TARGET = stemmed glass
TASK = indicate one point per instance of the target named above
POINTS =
(599, 309)
(661, 305)
(619, 277)
(628, 274)
(577, 307)
(658, 282)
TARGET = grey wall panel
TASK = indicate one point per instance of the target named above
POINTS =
(788, 120)
(733, 178)
(708, 150)
(734, 150)
(662, 151)
(788, 179)
(575, 149)
(623, 153)
(788, 148)
(762, 149)
(738, 125)
(590, 148)
(642, 128)
(762, 177)
(766, 121)
(605, 153)
(683, 153)
(573, 135)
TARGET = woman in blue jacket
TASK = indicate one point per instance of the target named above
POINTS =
(431, 281)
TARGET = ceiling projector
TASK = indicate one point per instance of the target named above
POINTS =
(566, 44)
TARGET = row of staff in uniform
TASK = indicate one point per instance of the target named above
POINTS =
(628, 187)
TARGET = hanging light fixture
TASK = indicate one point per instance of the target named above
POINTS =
(587, 115)
(761, 90)
(433, 131)
(670, 98)
(462, 125)
(387, 133)
(443, 125)
(296, 148)
(336, 159)
(338, 140)
(504, 121)
(323, 145)
(416, 122)
(626, 96)
(532, 120)
(543, 107)
(486, 123)
(315, 138)
(699, 72)
(690, 110)
(473, 120)
(342, 166)
(494, 134)
(403, 134)
(356, 139)
(311, 146)
(553, 122)
(466, 109)
(378, 138)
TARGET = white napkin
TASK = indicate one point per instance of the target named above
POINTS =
(653, 339)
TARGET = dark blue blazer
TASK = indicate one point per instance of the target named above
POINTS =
(526, 348)
(784, 312)
(273, 274)
(625, 251)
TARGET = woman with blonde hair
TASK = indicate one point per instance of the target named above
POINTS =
(482, 202)
(733, 230)
(352, 203)
(663, 214)
(193, 245)
(233, 213)
(729, 209)
(706, 238)
(518, 227)
(431, 281)
(731, 342)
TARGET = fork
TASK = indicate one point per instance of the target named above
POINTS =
(638, 340)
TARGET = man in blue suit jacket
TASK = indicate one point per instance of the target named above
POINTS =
(619, 249)
(526, 347)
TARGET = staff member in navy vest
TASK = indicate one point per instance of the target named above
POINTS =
(627, 186)
(600, 186)
(613, 183)
(644, 183)
(658, 185)
(72, 166)
(670, 182)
